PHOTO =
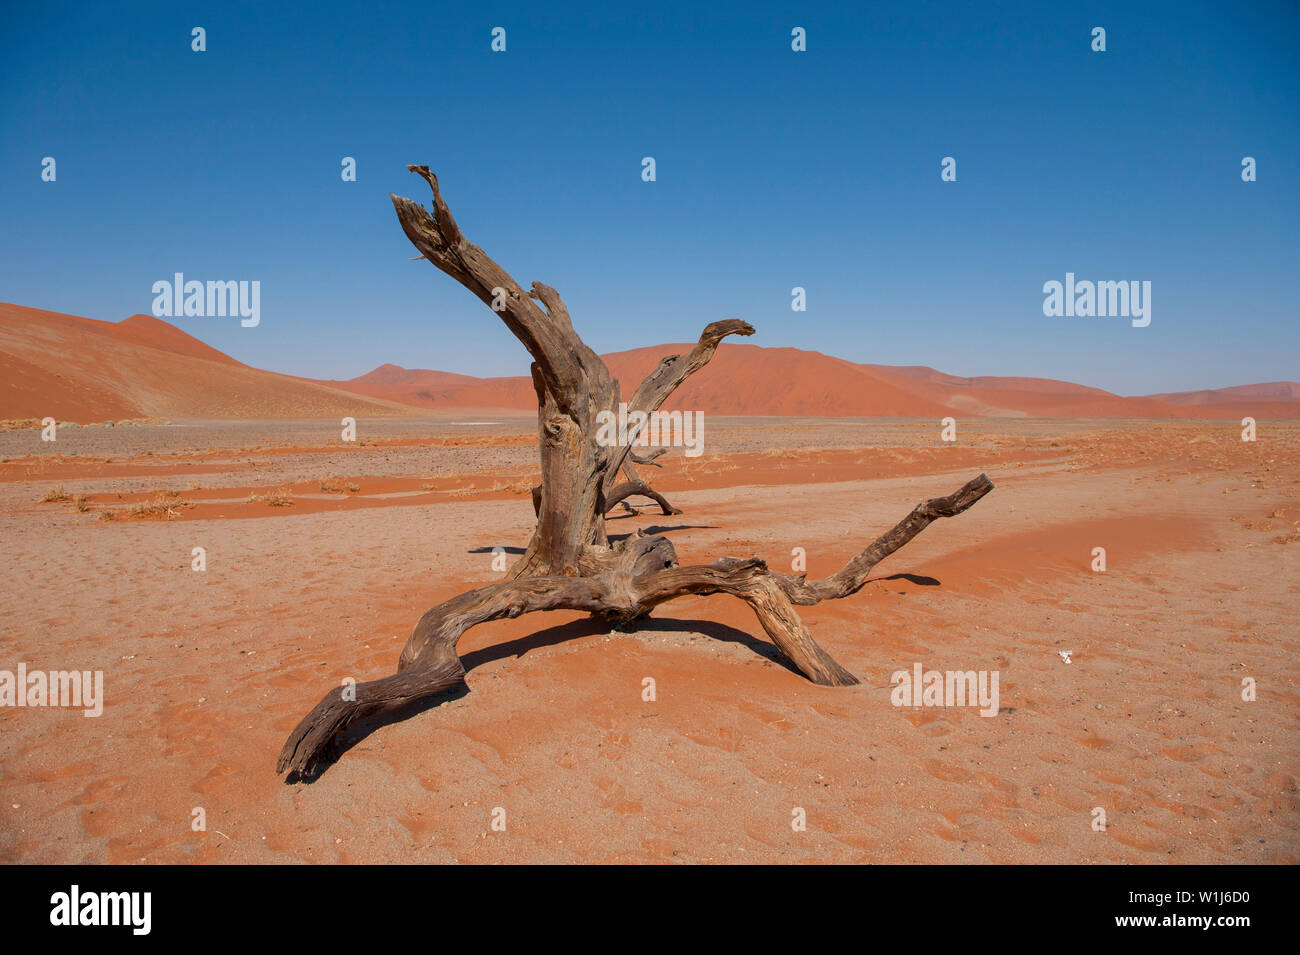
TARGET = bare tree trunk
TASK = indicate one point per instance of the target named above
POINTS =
(569, 563)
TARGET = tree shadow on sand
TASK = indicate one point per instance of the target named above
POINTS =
(520, 647)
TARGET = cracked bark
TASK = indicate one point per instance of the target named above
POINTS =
(570, 563)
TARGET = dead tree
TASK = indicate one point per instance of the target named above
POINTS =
(570, 562)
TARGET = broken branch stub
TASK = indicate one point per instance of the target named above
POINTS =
(570, 562)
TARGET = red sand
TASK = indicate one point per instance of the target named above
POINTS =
(746, 379)
(207, 672)
(83, 370)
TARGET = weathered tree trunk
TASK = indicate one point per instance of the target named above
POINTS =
(569, 563)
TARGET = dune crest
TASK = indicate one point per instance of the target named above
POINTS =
(85, 370)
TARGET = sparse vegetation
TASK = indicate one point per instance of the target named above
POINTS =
(56, 495)
(336, 485)
(19, 424)
(280, 497)
(161, 507)
(23, 424)
(515, 487)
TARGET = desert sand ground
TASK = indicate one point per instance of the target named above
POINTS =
(206, 672)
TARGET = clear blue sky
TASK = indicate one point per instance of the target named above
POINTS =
(775, 169)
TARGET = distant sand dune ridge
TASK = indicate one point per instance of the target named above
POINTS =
(84, 370)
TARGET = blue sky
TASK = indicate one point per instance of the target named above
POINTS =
(775, 169)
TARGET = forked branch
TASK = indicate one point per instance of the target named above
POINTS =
(548, 334)
(570, 563)
(668, 376)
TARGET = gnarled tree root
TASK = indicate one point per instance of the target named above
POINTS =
(618, 584)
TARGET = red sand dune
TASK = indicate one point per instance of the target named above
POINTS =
(80, 369)
(994, 397)
(748, 379)
(753, 380)
(1271, 399)
(1269, 391)
(83, 370)
(423, 388)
